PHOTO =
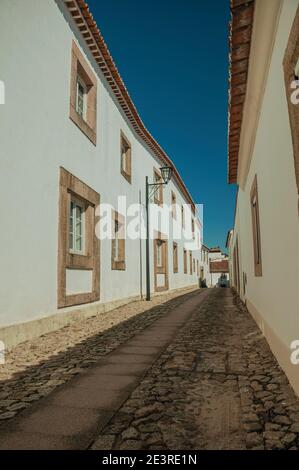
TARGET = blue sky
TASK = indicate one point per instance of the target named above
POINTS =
(173, 58)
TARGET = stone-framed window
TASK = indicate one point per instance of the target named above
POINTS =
(118, 242)
(125, 158)
(158, 197)
(78, 246)
(185, 261)
(175, 258)
(291, 75)
(160, 262)
(77, 230)
(83, 95)
(256, 233)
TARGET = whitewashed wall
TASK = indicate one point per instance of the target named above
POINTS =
(37, 137)
(204, 262)
(273, 298)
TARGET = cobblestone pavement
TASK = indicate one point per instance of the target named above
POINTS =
(34, 369)
(217, 386)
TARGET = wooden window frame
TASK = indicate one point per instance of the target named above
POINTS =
(159, 254)
(71, 186)
(190, 262)
(175, 257)
(78, 203)
(158, 195)
(256, 232)
(80, 70)
(81, 83)
(289, 63)
(159, 237)
(185, 258)
(127, 173)
(120, 264)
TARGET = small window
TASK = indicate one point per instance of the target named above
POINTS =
(83, 95)
(160, 262)
(118, 243)
(190, 256)
(194, 265)
(81, 98)
(159, 254)
(158, 197)
(125, 154)
(183, 217)
(76, 227)
(193, 229)
(185, 261)
(175, 257)
(173, 204)
(256, 229)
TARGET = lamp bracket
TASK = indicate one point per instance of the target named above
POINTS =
(155, 187)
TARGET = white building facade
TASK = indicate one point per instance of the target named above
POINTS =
(204, 266)
(72, 143)
(264, 162)
(218, 267)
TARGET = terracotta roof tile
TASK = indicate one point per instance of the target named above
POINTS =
(242, 12)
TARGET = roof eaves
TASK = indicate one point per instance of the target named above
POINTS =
(242, 13)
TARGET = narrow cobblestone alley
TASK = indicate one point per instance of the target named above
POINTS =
(197, 375)
(217, 386)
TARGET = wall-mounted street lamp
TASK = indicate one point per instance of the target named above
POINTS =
(166, 173)
(150, 191)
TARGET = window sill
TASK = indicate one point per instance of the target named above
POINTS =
(161, 289)
(258, 271)
(83, 126)
(126, 176)
(76, 261)
(118, 266)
